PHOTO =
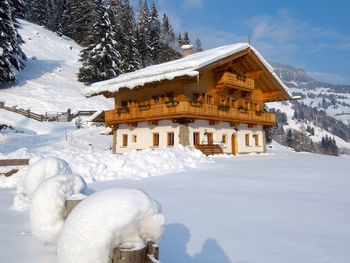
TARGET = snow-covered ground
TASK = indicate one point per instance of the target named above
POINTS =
(282, 207)
(48, 83)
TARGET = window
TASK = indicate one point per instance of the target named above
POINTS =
(170, 95)
(210, 138)
(224, 138)
(209, 99)
(124, 103)
(234, 103)
(125, 140)
(246, 105)
(256, 139)
(195, 96)
(156, 139)
(155, 99)
(247, 139)
(170, 139)
(134, 138)
(196, 138)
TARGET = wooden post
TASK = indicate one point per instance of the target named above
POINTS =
(114, 143)
(153, 250)
(69, 112)
(70, 204)
(129, 256)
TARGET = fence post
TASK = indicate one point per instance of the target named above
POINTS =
(69, 114)
(70, 204)
(129, 256)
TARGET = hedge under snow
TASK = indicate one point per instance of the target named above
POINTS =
(47, 205)
(39, 170)
(106, 220)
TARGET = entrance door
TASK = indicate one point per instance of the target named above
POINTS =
(210, 138)
(233, 144)
(196, 139)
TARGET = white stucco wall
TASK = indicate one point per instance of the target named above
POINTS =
(221, 129)
(144, 133)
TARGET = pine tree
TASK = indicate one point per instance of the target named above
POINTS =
(186, 39)
(11, 54)
(40, 12)
(56, 21)
(19, 8)
(143, 42)
(82, 17)
(130, 56)
(289, 138)
(101, 60)
(198, 46)
(168, 44)
(154, 34)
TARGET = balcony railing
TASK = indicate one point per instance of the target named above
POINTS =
(186, 109)
(228, 79)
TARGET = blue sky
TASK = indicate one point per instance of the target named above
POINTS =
(313, 35)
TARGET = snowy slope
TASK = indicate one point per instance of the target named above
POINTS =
(286, 107)
(337, 97)
(48, 82)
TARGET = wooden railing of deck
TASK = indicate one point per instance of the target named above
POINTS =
(185, 109)
(228, 79)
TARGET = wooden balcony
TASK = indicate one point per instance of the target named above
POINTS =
(188, 110)
(232, 80)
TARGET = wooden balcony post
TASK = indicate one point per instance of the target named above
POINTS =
(114, 143)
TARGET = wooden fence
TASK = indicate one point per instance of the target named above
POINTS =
(12, 162)
(48, 116)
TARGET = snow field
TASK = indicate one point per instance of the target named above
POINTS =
(118, 217)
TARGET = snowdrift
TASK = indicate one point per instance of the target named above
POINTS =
(119, 217)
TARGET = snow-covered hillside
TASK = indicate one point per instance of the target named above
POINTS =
(48, 82)
(334, 99)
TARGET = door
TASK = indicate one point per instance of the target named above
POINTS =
(233, 144)
(196, 139)
(210, 138)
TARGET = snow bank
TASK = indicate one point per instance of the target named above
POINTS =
(31, 178)
(47, 205)
(106, 220)
(42, 169)
(96, 165)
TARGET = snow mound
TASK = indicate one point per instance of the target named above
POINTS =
(119, 217)
(42, 169)
(47, 205)
(31, 178)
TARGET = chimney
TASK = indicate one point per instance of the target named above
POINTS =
(187, 50)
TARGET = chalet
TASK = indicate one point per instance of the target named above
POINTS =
(212, 100)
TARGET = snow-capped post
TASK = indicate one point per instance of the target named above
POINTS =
(72, 202)
(129, 256)
(148, 254)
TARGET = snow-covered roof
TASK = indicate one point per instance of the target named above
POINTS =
(186, 66)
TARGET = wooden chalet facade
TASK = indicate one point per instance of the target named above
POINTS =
(212, 100)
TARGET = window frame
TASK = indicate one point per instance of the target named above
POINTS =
(170, 138)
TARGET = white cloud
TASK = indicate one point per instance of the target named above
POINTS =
(188, 4)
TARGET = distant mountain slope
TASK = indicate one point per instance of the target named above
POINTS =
(333, 99)
(48, 82)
